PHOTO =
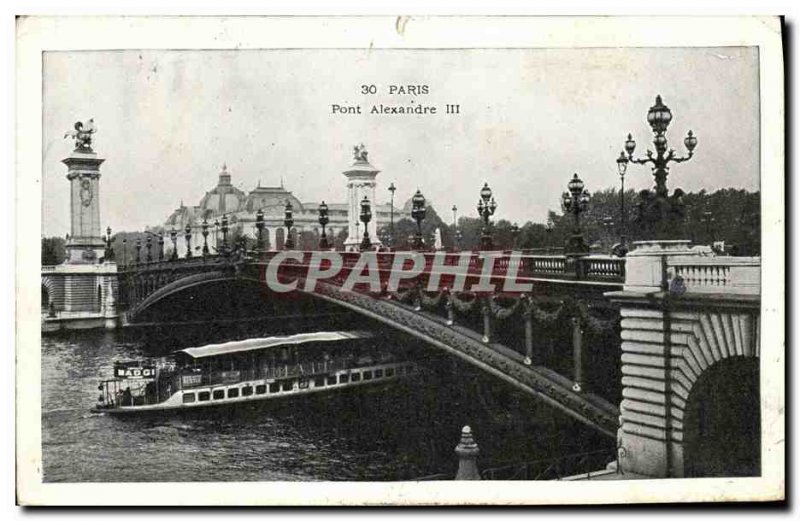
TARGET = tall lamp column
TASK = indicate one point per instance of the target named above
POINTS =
(418, 213)
(486, 208)
(366, 217)
(288, 222)
(323, 221)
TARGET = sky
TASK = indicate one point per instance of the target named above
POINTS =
(529, 119)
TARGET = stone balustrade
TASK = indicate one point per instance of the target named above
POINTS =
(735, 275)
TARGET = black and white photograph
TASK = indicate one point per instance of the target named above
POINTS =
(526, 267)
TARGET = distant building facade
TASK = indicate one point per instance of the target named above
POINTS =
(240, 208)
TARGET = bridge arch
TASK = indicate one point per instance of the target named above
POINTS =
(659, 411)
(721, 422)
(504, 363)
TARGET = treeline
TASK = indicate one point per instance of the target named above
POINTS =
(728, 215)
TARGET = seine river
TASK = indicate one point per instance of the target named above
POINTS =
(396, 432)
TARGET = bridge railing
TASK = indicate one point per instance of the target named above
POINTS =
(523, 264)
(735, 275)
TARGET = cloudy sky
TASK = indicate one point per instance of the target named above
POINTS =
(529, 118)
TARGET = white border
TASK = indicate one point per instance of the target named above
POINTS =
(35, 35)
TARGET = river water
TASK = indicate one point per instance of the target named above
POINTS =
(397, 431)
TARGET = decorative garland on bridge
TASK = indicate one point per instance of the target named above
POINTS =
(464, 305)
(500, 311)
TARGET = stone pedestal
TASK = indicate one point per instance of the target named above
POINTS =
(85, 244)
(360, 183)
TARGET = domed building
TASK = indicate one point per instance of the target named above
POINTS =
(240, 209)
(223, 198)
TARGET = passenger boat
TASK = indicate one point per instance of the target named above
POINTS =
(248, 371)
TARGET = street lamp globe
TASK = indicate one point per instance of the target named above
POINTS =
(584, 199)
(690, 141)
(566, 201)
(575, 184)
(418, 200)
(366, 211)
(622, 164)
(486, 192)
(630, 145)
(659, 116)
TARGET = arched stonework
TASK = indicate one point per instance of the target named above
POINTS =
(698, 339)
(55, 291)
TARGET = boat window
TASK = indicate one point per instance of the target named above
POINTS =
(343, 378)
(378, 373)
(204, 396)
(261, 389)
(247, 391)
(233, 392)
(355, 377)
(390, 371)
(331, 380)
(367, 375)
(188, 397)
(319, 381)
(274, 387)
(219, 395)
(287, 386)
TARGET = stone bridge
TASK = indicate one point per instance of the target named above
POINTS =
(670, 335)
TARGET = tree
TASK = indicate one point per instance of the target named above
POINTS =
(53, 251)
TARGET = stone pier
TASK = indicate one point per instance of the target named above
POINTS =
(690, 344)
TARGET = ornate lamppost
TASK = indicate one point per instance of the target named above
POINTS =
(124, 252)
(173, 235)
(187, 235)
(392, 189)
(365, 217)
(109, 253)
(608, 225)
(259, 230)
(622, 168)
(323, 221)
(224, 232)
(708, 220)
(418, 212)
(288, 221)
(455, 227)
(149, 248)
(160, 246)
(486, 208)
(575, 201)
(548, 229)
(514, 235)
(205, 236)
(659, 213)
(458, 238)
(216, 234)
(138, 250)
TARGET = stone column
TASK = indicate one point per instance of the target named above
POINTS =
(360, 183)
(85, 244)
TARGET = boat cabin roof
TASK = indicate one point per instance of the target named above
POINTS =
(254, 344)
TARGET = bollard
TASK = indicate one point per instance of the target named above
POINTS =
(467, 451)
